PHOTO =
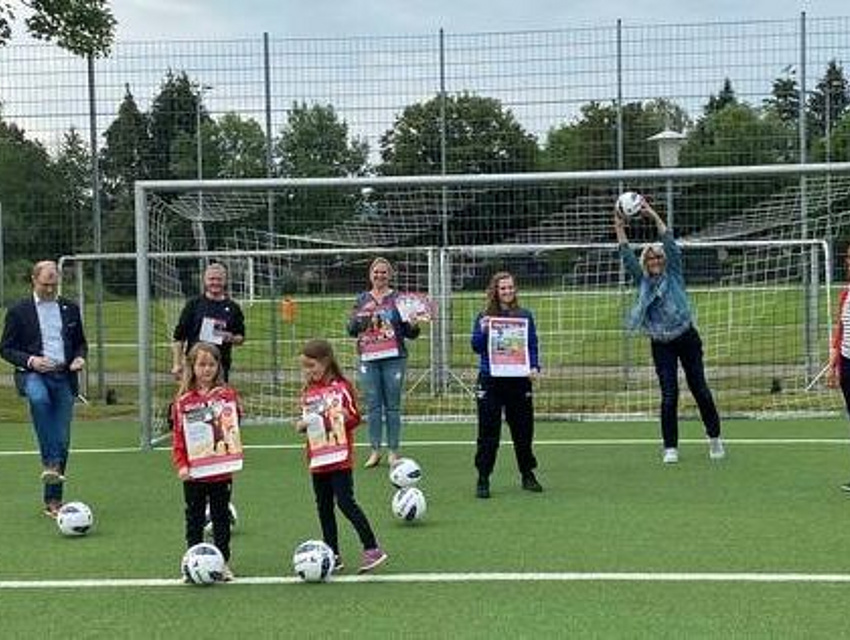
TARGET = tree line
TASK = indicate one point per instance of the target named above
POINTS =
(50, 193)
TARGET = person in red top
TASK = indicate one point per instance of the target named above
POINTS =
(329, 418)
(202, 387)
(838, 369)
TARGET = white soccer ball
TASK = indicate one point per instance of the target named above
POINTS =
(313, 561)
(405, 473)
(409, 504)
(203, 564)
(234, 519)
(630, 204)
(74, 519)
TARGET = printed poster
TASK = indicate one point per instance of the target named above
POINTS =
(213, 441)
(212, 331)
(379, 340)
(507, 347)
(327, 439)
(414, 307)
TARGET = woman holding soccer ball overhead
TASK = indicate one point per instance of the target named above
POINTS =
(663, 312)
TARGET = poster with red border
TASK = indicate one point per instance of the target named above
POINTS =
(213, 440)
(378, 341)
(507, 347)
(327, 438)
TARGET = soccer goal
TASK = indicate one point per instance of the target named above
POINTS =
(298, 251)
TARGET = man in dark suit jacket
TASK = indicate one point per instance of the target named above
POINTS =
(44, 340)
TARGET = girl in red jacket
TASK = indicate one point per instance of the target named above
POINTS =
(329, 417)
(201, 392)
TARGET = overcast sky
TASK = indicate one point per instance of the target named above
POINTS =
(179, 19)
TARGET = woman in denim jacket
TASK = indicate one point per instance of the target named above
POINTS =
(663, 312)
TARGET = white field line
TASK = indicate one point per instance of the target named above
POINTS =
(824, 578)
(580, 442)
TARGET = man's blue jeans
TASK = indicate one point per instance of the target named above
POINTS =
(51, 407)
(383, 381)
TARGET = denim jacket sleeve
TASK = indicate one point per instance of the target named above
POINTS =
(672, 253)
(630, 262)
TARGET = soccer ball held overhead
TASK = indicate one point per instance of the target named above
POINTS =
(630, 204)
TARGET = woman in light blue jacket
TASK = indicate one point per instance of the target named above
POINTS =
(663, 312)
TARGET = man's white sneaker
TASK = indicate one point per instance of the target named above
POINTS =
(671, 456)
(716, 451)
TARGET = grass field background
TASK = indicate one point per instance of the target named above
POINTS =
(754, 340)
(773, 507)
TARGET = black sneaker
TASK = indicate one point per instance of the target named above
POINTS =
(482, 489)
(529, 483)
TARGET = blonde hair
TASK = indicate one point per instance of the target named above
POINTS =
(381, 260)
(189, 381)
(649, 251)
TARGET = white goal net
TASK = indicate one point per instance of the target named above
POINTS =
(298, 253)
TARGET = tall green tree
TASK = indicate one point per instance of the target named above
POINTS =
(73, 164)
(30, 190)
(590, 142)
(230, 147)
(839, 140)
(725, 97)
(126, 153)
(830, 98)
(174, 111)
(736, 135)
(240, 146)
(83, 27)
(482, 136)
(316, 142)
(125, 158)
(784, 100)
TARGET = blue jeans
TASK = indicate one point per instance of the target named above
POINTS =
(383, 381)
(51, 407)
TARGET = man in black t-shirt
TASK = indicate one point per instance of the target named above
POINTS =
(212, 317)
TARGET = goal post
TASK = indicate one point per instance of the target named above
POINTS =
(760, 280)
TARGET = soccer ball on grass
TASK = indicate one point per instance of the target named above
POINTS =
(409, 504)
(405, 473)
(313, 561)
(203, 564)
(74, 519)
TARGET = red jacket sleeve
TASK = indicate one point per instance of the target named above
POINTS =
(838, 331)
(352, 412)
(179, 456)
